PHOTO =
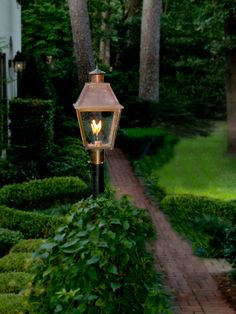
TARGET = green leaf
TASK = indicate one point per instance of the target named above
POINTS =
(92, 273)
(82, 308)
(115, 221)
(115, 286)
(82, 234)
(93, 260)
(48, 246)
(59, 308)
(124, 259)
(99, 303)
(127, 244)
(113, 269)
(111, 235)
(126, 225)
(92, 297)
(68, 244)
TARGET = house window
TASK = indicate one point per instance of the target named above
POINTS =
(3, 103)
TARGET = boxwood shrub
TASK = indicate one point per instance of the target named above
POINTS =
(31, 225)
(7, 239)
(32, 128)
(41, 194)
(204, 221)
(27, 246)
(14, 282)
(18, 262)
(11, 303)
(98, 263)
(69, 158)
(197, 205)
(137, 142)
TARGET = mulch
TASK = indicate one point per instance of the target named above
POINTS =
(227, 286)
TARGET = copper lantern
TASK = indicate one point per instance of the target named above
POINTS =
(98, 112)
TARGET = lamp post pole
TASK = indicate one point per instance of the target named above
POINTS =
(97, 171)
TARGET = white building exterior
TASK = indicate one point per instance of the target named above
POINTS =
(10, 43)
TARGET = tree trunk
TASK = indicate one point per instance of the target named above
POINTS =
(134, 7)
(104, 52)
(81, 39)
(150, 50)
(231, 102)
(230, 32)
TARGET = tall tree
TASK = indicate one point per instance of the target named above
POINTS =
(81, 38)
(230, 33)
(104, 51)
(150, 50)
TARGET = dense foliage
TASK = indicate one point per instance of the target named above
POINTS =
(32, 131)
(98, 263)
(30, 224)
(45, 193)
(192, 50)
(139, 142)
(7, 239)
(208, 223)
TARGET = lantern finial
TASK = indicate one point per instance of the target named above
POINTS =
(97, 76)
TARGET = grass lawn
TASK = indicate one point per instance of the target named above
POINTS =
(201, 166)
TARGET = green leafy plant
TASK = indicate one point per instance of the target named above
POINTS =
(230, 247)
(98, 263)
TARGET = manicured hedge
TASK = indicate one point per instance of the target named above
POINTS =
(18, 262)
(137, 142)
(7, 239)
(208, 223)
(11, 303)
(31, 225)
(27, 246)
(32, 128)
(41, 194)
(176, 205)
(14, 282)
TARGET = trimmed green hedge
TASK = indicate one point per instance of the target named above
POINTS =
(7, 239)
(32, 128)
(198, 205)
(208, 223)
(27, 246)
(16, 262)
(11, 303)
(137, 142)
(41, 194)
(32, 225)
(14, 282)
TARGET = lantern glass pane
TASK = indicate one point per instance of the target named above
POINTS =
(97, 126)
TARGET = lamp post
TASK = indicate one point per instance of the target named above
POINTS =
(98, 112)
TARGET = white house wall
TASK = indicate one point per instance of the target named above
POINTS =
(10, 39)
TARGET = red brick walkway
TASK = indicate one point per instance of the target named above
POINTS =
(194, 289)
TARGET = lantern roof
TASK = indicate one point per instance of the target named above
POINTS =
(97, 97)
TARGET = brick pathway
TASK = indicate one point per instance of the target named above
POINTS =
(187, 276)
